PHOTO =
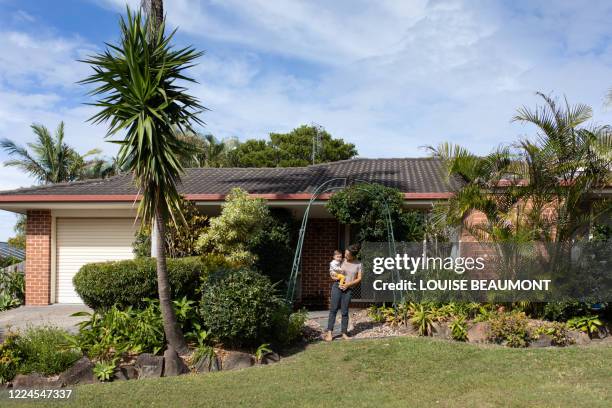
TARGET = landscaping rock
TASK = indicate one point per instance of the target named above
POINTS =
(270, 358)
(543, 341)
(34, 380)
(125, 373)
(441, 330)
(312, 331)
(478, 332)
(173, 363)
(580, 338)
(237, 360)
(149, 365)
(205, 365)
(81, 372)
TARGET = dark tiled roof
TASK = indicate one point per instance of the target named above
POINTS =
(409, 175)
(9, 251)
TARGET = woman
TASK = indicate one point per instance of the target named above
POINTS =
(341, 294)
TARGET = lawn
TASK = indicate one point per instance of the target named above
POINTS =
(401, 372)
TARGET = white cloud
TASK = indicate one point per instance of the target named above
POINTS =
(41, 61)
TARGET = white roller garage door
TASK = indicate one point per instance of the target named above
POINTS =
(84, 240)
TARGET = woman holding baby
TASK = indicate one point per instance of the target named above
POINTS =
(346, 273)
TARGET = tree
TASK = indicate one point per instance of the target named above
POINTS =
(19, 240)
(210, 151)
(137, 85)
(535, 190)
(50, 159)
(566, 163)
(292, 149)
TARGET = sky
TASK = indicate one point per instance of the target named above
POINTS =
(388, 76)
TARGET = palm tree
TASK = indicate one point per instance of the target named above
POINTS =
(50, 159)
(136, 82)
(209, 151)
(517, 187)
(568, 160)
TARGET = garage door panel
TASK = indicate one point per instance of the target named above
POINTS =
(81, 241)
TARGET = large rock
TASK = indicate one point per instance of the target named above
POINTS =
(207, 365)
(125, 373)
(149, 365)
(441, 330)
(34, 380)
(236, 360)
(544, 340)
(478, 333)
(580, 338)
(81, 372)
(173, 363)
(270, 358)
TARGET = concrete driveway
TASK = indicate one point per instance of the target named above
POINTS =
(32, 316)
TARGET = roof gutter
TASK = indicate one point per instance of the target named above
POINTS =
(87, 198)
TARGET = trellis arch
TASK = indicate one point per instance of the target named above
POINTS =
(327, 187)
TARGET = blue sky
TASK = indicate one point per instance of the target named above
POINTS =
(389, 76)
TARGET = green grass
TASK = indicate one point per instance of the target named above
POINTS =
(395, 372)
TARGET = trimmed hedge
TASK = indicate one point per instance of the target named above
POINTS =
(126, 283)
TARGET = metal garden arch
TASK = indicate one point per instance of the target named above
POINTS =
(327, 187)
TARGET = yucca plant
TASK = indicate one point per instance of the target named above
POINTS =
(137, 86)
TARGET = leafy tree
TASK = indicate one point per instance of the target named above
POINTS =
(292, 149)
(137, 85)
(49, 159)
(229, 234)
(19, 240)
(363, 205)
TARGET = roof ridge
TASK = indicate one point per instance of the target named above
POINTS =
(332, 163)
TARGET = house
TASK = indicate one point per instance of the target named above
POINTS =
(8, 251)
(71, 224)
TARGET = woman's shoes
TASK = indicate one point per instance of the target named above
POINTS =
(328, 336)
(346, 336)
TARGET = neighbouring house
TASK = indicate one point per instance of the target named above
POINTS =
(71, 224)
(9, 251)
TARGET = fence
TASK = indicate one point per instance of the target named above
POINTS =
(18, 267)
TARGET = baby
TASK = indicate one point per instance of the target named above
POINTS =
(335, 267)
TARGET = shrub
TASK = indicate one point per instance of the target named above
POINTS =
(362, 205)
(180, 239)
(558, 331)
(509, 328)
(287, 326)
(9, 358)
(587, 324)
(376, 313)
(564, 311)
(45, 350)
(274, 246)
(12, 289)
(229, 234)
(8, 261)
(113, 332)
(422, 318)
(128, 283)
(241, 309)
(458, 329)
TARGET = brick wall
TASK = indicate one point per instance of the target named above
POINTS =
(319, 244)
(38, 257)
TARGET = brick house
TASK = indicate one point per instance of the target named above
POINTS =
(71, 224)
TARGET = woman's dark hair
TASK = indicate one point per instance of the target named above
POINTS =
(354, 249)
